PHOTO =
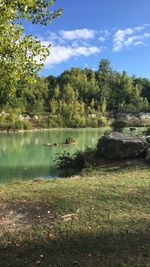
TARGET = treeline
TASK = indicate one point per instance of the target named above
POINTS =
(79, 97)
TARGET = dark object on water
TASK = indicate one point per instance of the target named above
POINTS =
(69, 141)
(51, 144)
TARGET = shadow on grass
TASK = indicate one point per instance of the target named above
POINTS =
(118, 246)
(117, 165)
(122, 247)
(86, 250)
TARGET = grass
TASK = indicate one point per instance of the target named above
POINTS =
(95, 219)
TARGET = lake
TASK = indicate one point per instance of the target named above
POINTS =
(25, 156)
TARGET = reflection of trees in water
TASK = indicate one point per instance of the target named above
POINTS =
(9, 173)
(22, 153)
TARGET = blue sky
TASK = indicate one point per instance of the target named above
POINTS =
(90, 30)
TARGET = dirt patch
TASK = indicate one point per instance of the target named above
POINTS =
(23, 215)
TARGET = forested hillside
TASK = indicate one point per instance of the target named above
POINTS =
(77, 98)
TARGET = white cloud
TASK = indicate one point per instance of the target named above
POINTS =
(104, 34)
(69, 44)
(101, 39)
(53, 38)
(129, 37)
(146, 34)
(139, 28)
(82, 34)
(60, 54)
(66, 45)
(120, 37)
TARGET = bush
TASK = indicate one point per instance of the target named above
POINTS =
(19, 125)
(79, 160)
(103, 121)
(55, 122)
(118, 125)
(147, 132)
(27, 125)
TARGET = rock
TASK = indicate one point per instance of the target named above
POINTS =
(70, 140)
(132, 119)
(24, 117)
(148, 155)
(118, 145)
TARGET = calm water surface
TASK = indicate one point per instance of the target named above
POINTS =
(25, 155)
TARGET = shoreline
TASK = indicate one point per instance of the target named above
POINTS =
(32, 130)
(48, 129)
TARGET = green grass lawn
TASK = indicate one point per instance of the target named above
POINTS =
(96, 219)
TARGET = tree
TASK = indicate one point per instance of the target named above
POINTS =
(104, 67)
(104, 77)
(21, 56)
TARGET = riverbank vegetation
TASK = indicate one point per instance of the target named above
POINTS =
(76, 98)
(99, 218)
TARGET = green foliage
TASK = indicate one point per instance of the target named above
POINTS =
(55, 121)
(103, 121)
(78, 97)
(21, 56)
(118, 125)
(11, 121)
(79, 160)
(147, 132)
(27, 125)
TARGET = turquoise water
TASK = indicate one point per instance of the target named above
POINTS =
(25, 155)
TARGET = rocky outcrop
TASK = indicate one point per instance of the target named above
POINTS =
(133, 119)
(118, 145)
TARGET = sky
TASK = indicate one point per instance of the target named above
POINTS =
(90, 30)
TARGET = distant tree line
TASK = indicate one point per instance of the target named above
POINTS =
(79, 97)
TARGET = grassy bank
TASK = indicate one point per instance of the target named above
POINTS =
(97, 219)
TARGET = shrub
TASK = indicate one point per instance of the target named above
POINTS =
(55, 121)
(78, 161)
(103, 121)
(118, 125)
(147, 131)
(27, 125)
(18, 125)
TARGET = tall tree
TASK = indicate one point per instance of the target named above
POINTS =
(104, 78)
(21, 56)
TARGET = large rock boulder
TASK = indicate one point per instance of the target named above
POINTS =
(118, 145)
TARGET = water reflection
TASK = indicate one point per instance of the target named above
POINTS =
(25, 156)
